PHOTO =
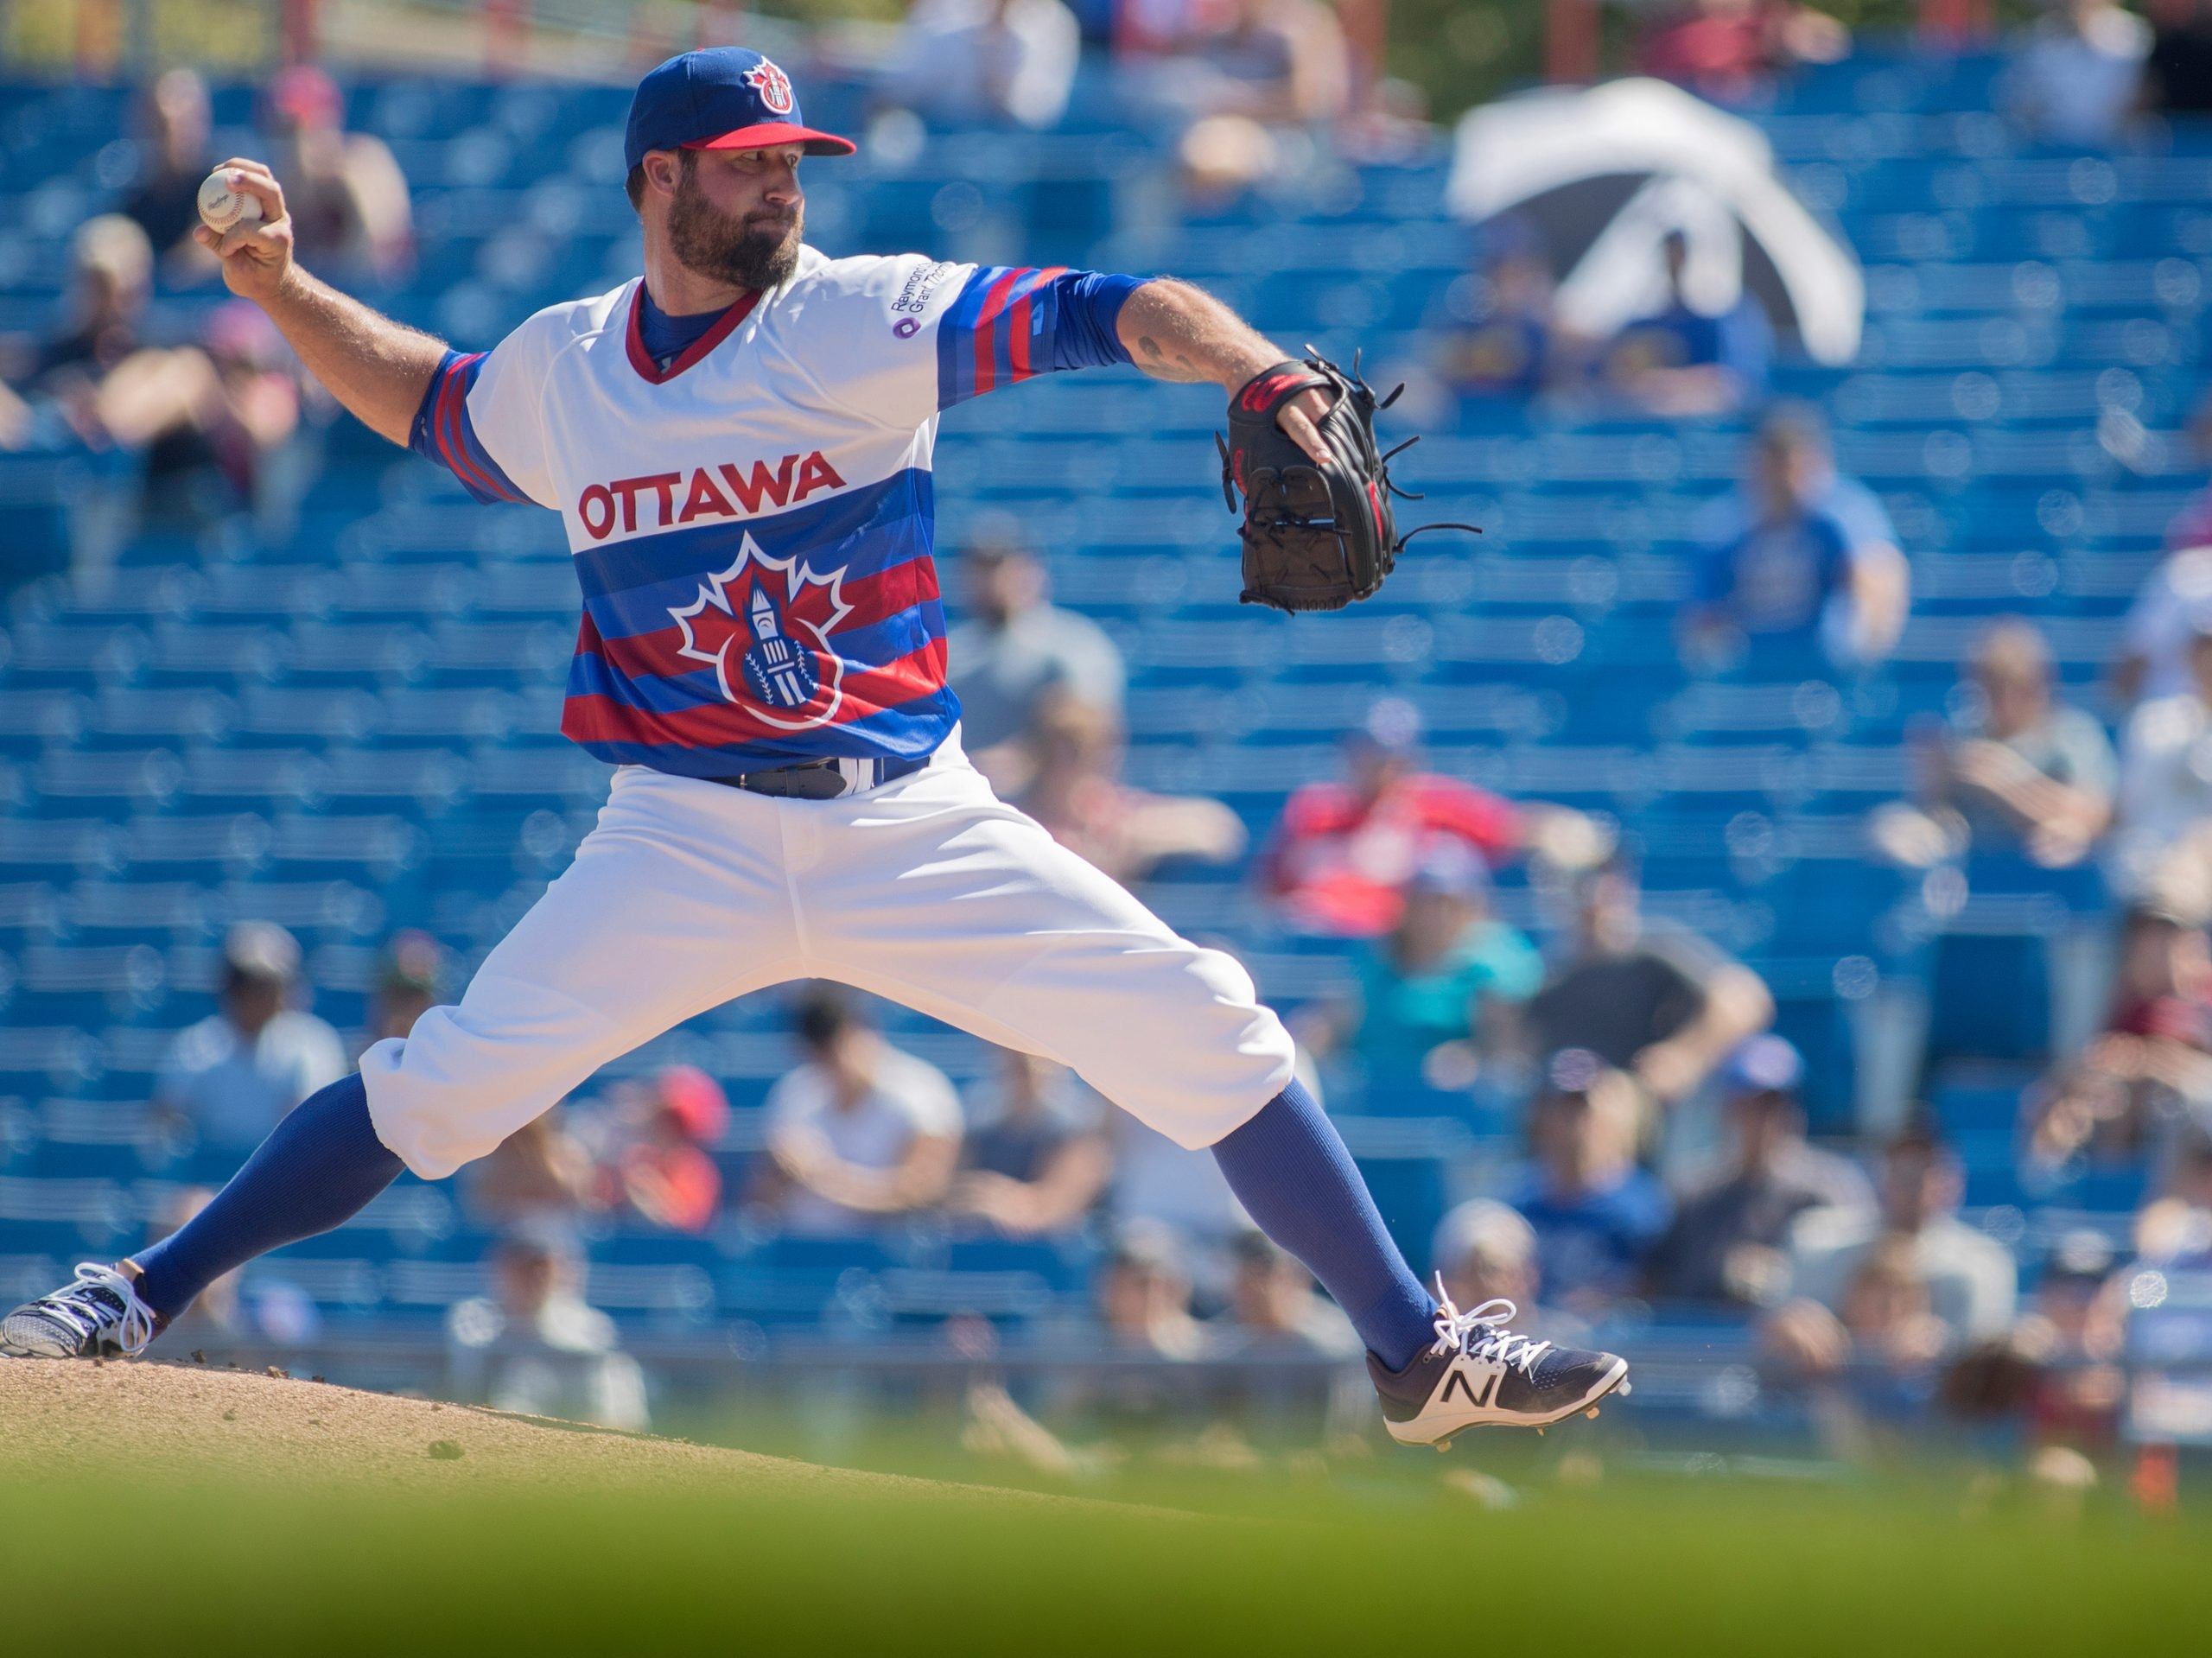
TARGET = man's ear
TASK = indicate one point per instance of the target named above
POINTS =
(663, 171)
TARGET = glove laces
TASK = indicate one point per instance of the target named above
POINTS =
(1481, 1333)
(100, 1299)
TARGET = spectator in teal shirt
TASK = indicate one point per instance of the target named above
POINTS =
(1435, 990)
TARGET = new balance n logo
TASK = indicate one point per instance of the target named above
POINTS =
(1458, 1380)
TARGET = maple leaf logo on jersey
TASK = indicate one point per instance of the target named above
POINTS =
(773, 85)
(763, 625)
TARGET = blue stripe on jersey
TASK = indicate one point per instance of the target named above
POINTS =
(912, 731)
(442, 431)
(867, 527)
(1010, 322)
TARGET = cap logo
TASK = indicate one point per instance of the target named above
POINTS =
(773, 85)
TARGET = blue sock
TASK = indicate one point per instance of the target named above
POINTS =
(1290, 1170)
(318, 1168)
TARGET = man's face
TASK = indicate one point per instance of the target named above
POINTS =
(1916, 1187)
(1480, 1276)
(1784, 476)
(1765, 1123)
(2015, 699)
(1005, 584)
(1608, 913)
(251, 1002)
(737, 216)
(525, 1280)
(2200, 665)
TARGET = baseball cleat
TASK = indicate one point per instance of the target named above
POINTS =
(100, 1316)
(1479, 1373)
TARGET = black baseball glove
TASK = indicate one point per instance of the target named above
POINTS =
(1315, 538)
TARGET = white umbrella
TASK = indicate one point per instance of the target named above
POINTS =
(1609, 172)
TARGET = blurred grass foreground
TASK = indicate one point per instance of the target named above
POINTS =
(1635, 1564)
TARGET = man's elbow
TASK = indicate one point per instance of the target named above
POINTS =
(1742, 1002)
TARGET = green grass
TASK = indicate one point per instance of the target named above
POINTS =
(1288, 1562)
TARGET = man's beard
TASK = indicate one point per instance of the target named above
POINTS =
(758, 253)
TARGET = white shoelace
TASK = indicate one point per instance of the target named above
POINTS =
(133, 1326)
(1457, 1331)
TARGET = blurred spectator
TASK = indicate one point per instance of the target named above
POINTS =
(1436, 988)
(2176, 1224)
(859, 1133)
(1279, 63)
(2073, 75)
(2162, 622)
(1646, 996)
(2073, 1334)
(1485, 1250)
(1158, 1182)
(239, 1072)
(205, 414)
(1144, 1297)
(964, 62)
(2148, 1077)
(1728, 1240)
(536, 1348)
(2160, 852)
(1017, 648)
(1277, 68)
(252, 409)
(174, 156)
(1339, 859)
(1272, 1299)
(2015, 773)
(1065, 773)
(1595, 1214)
(541, 1175)
(1682, 361)
(351, 216)
(1507, 347)
(1972, 1280)
(2178, 74)
(663, 1173)
(1871, 1360)
(1725, 49)
(1035, 1157)
(1798, 558)
(408, 982)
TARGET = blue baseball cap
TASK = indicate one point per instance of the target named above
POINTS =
(721, 97)
(1764, 1064)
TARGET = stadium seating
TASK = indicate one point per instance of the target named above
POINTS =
(349, 727)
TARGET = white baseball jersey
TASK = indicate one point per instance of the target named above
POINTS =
(752, 525)
(752, 530)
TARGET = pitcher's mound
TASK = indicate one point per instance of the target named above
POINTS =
(57, 1417)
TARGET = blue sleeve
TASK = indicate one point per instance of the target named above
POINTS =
(1857, 514)
(1712, 571)
(1747, 343)
(442, 431)
(1009, 323)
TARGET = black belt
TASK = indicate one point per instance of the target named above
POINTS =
(822, 780)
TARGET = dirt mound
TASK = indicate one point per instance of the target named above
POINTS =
(182, 1418)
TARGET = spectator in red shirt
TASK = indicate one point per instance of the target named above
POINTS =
(1725, 49)
(1339, 859)
(665, 1175)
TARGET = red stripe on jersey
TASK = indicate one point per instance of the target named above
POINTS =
(1019, 320)
(725, 725)
(872, 598)
(987, 323)
(452, 443)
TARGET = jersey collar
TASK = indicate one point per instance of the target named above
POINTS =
(642, 360)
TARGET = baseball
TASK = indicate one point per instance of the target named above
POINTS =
(220, 207)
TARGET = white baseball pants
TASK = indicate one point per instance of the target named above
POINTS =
(928, 891)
